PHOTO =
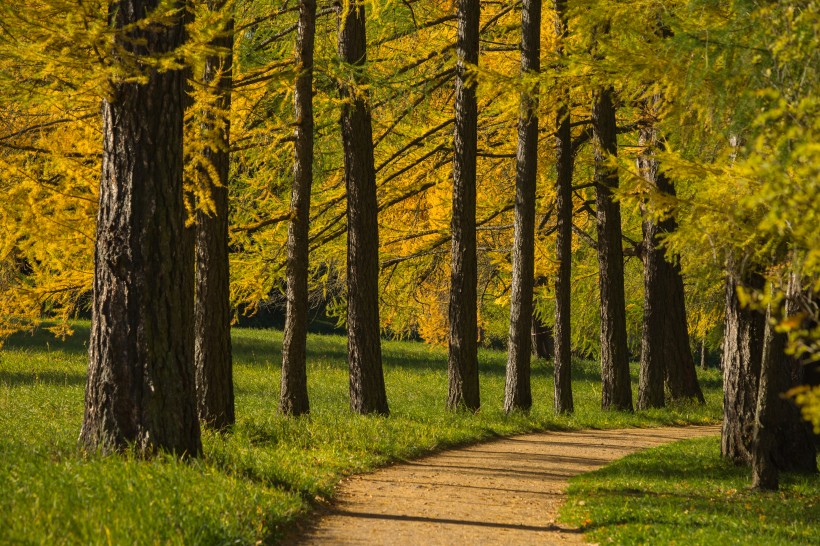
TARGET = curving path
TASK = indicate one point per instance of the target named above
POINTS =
(501, 492)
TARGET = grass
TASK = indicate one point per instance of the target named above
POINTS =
(256, 482)
(684, 493)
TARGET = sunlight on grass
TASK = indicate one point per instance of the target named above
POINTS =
(270, 470)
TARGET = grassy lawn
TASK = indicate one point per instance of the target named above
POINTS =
(684, 493)
(255, 482)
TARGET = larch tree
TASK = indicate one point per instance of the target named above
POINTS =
(616, 390)
(293, 398)
(140, 390)
(564, 162)
(367, 391)
(212, 306)
(462, 364)
(517, 392)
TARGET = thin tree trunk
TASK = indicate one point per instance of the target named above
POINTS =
(517, 392)
(542, 342)
(742, 356)
(703, 365)
(140, 391)
(462, 366)
(293, 399)
(212, 308)
(367, 392)
(563, 241)
(765, 474)
(616, 387)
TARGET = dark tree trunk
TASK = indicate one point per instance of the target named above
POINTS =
(742, 352)
(517, 392)
(462, 363)
(367, 393)
(293, 398)
(140, 391)
(616, 388)
(665, 349)
(563, 239)
(542, 341)
(782, 440)
(212, 307)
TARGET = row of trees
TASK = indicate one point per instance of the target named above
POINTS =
(191, 102)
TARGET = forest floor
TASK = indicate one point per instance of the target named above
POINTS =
(506, 491)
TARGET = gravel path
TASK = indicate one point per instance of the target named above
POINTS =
(501, 492)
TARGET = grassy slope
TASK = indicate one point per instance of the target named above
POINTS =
(684, 493)
(270, 470)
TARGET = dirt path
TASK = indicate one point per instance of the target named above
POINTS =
(501, 492)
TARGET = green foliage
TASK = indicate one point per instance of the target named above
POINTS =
(269, 471)
(686, 492)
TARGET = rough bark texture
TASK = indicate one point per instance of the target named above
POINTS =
(462, 363)
(293, 399)
(367, 393)
(563, 241)
(140, 390)
(517, 392)
(665, 349)
(616, 388)
(212, 307)
(742, 355)
(782, 440)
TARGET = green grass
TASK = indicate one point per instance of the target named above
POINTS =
(252, 484)
(684, 493)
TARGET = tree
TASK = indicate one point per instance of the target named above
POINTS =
(563, 240)
(517, 394)
(293, 399)
(212, 306)
(367, 392)
(140, 388)
(462, 363)
(616, 388)
(665, 349)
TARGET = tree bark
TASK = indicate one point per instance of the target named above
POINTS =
(616, 387)
(542, 341)
(140, 390)
(367, 392)
(517, 392)
(462, 366)
(665, 349)
(212, 308)
(293, 399)
(564, 164)
(742, 356)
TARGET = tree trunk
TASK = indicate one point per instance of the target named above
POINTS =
(140, 391)
(542, 342)
(367, 392)
(517, 392)
(703, 365)
(563, 239)
(782, 440)
(616, 388)
(293, 399)
(212, 307)
(665, 349)
(742, 351)
(462, 364)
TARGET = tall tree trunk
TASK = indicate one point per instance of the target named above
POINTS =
(782, 440)
(517, 392)
(563, 240)
(616, 388)
(212, 308)
(742, 356)
(703, 365)
(542, 342)
(462, 363)
(367, 392)
(665, 349)
(293, 399)
(140, 389)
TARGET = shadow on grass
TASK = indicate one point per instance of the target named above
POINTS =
(49, 377)
(76, 343)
